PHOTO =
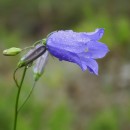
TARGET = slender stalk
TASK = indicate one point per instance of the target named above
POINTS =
(17, 98)
(27, 96)
(26, 48)
(14, 77)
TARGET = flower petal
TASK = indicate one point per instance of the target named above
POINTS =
(73, 41)
(91, 65)
(68, 40)
(96, 35)
(95, 50)
(84, 63)
(65, 55)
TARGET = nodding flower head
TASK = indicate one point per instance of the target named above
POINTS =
(80, 48)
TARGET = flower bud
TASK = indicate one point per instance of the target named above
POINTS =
(32, 55)
(40, 65)
(12, 51)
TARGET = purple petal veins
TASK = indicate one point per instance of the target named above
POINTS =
(81, 48)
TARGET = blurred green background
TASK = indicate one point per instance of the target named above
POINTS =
(65, 98)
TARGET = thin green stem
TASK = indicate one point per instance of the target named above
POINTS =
(27, 96)
(17, 98)
(14, 77)
(37, 42)
(26, 48)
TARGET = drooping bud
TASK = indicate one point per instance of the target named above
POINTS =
(12, 51)
(40, 65)
(32, 55)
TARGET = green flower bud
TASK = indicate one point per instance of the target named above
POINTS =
(12, 51)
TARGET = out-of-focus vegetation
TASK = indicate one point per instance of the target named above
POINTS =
(67, 99)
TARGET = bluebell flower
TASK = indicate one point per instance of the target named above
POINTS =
(80, 48)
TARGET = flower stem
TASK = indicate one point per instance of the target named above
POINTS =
(17, 98)
(14, 77)
(27, 97)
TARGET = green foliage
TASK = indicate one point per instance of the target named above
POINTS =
(60, 119)
(122, 30)
(106, 120)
